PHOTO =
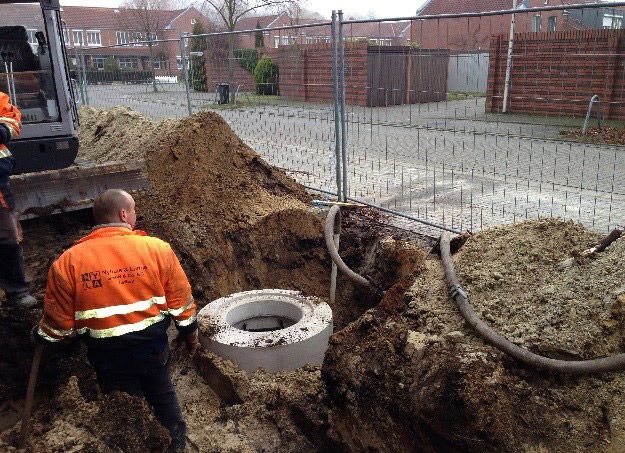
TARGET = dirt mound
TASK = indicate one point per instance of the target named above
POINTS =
(423, 376)
(115, 422)
(115, 134)
(607, 134)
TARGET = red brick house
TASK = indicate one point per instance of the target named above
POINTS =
(473, 34)
(377, 34)
(90, 30)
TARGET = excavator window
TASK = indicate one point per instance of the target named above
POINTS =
(26, 73)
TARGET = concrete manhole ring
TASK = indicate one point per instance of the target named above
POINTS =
(273, 329)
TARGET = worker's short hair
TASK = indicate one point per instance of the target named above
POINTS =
(107, 205)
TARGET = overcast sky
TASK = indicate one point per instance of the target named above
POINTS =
(378, 8)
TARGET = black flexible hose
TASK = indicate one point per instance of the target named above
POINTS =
(613, 363)
(333, 221)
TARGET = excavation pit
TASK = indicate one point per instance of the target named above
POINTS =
(273, 329)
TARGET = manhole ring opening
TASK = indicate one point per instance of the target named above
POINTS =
(264, 324)
(264, 316)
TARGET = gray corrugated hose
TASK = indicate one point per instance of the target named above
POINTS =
(613, 363)
(333, 223)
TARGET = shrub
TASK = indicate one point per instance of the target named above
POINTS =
(266, 76)
(247, 58)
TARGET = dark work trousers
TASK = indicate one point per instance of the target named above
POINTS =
(12, 277)
(141, 370)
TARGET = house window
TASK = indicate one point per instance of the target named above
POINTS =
(283, 40)
(121, 37)
(179, 63)
(138, 38)
(551, 23)
(193, 21)
(66, 36)
(612, 21)
(98, 63)
(94, 38)
(156, 64)
(380, 42)
(537, 23)
(154, 37)
(125, 62)
(77, 37)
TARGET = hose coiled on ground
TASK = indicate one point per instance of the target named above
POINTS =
(459, 296)
(333, 223)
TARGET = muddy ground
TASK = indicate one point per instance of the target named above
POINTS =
(237, 224)
(404, 373)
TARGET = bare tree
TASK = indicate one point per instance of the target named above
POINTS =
(230, 11)
(146, 18)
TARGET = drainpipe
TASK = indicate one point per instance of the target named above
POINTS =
(506, 88)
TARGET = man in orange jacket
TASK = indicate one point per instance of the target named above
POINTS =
(12, 277)
(119, 288)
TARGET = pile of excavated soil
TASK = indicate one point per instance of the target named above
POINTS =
(240, 224)
(421, 380)
(115, 134)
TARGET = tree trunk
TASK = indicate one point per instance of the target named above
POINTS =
(231, 67)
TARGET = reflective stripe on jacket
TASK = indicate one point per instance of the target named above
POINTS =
(114, 282)
(11, 117)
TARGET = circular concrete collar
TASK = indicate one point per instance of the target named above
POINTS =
(304, 339)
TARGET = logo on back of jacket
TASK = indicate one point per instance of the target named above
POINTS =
(120, 276)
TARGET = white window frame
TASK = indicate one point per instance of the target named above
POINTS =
(94, 33)
(123, 62)
(97, 66)
(81, 41)
(156, 63)
(66, 40)
(137, 38)
(121, 37)
(537, 23)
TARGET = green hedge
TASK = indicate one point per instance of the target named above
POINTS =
(266, 76)
(247, 58)
(119, 75)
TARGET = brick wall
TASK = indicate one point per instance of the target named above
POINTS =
(217, 72)
(306, 72)
(556, 73)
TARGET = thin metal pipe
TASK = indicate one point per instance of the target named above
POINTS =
(335, 95)
(341, 51)
(506, 86)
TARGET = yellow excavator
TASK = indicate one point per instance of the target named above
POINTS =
(34, 73)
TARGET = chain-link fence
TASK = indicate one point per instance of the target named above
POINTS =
(442, 118)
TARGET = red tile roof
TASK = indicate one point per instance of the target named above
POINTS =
(463, 6)
(82, 17)
(250, 22)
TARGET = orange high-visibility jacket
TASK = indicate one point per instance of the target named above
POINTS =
(11, 117)
(113, 283)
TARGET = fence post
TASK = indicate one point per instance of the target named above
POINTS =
(341, 59)
(85, 82)
(335, 98)
(79, 82)
(506, 87)
(185, 70)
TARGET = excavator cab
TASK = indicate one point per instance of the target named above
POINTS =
(34, 73)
